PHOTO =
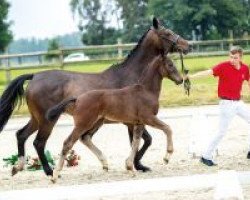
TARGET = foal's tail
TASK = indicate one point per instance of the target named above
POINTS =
(10, 97)
(54, 112)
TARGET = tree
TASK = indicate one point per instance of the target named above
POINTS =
(135, 18)
(5, 34)
(208, 19)
(53, 45)
(93, 22)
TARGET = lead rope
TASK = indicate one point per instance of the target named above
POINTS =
(186, 82)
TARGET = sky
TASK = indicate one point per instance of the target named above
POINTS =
(41, 18)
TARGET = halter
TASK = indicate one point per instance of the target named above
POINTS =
(186, 82)
(174, 41)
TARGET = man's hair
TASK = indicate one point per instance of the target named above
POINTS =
(236, 49)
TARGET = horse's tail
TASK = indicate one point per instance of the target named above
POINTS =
(54, 112)
(10, 97)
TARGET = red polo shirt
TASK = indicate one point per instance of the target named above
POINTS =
(230, 79)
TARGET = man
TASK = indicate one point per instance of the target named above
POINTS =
(231, 74)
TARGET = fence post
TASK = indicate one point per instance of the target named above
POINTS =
(231, 37)
(40, 59)
(19, 59)
(7, 69)
(198, 48)
(61, 59)
(246, 37)
(222, 46)
(119, 42)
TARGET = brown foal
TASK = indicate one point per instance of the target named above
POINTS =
(137, 104)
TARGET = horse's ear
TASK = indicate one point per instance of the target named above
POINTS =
(156, 23)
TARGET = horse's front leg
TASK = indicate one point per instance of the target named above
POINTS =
(137, 133)
(139, 154)
(155, 122)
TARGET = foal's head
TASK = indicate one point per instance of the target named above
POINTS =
(168, 69)
(168, 40)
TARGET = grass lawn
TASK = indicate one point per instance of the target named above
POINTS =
(203, 90)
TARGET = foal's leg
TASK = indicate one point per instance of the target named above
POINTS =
(87, 140)
(138, 130)
(67, 145)
(22, 135)
(155, 122)
(139, 154)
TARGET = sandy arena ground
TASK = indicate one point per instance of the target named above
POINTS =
(113, 141)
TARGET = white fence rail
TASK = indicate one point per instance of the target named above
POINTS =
(55, 59)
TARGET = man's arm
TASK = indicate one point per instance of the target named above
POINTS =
(248, 82)
(203, 73)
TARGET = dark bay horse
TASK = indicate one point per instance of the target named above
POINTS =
(137, 104)
(48, 88)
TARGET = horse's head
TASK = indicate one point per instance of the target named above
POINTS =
(169, 70)
(167, 40)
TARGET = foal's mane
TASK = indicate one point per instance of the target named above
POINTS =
(130, 55)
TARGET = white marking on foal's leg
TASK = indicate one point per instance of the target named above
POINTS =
(167, 157)
(105, 164)
(56, 171)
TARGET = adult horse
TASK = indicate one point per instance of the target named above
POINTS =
(48, 88)
(136, 104)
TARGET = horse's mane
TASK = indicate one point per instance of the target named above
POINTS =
(131, 53)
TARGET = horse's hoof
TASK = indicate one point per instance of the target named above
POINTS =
(15, 169)
(140, 167)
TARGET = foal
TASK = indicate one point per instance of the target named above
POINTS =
(137, 104)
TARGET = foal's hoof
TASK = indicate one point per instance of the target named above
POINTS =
(140, 167)
(131, 173)
(14, 171)
(166, 160)
(105, 168)
(55, 176)
(167, 157)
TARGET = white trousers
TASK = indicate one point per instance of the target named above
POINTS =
(228, 110)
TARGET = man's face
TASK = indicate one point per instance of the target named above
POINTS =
(235, 58)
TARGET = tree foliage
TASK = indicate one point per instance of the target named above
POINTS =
(135, 18)
(5, 33)
(92, 21)
(193, 19)
(53, 44)
(208, 19)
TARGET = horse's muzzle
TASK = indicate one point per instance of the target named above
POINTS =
(178, 82)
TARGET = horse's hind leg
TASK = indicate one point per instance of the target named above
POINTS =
(139, 154)
(22, 135)
(86, 139)
(40, 142)
(138, 130)
(155, 122)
